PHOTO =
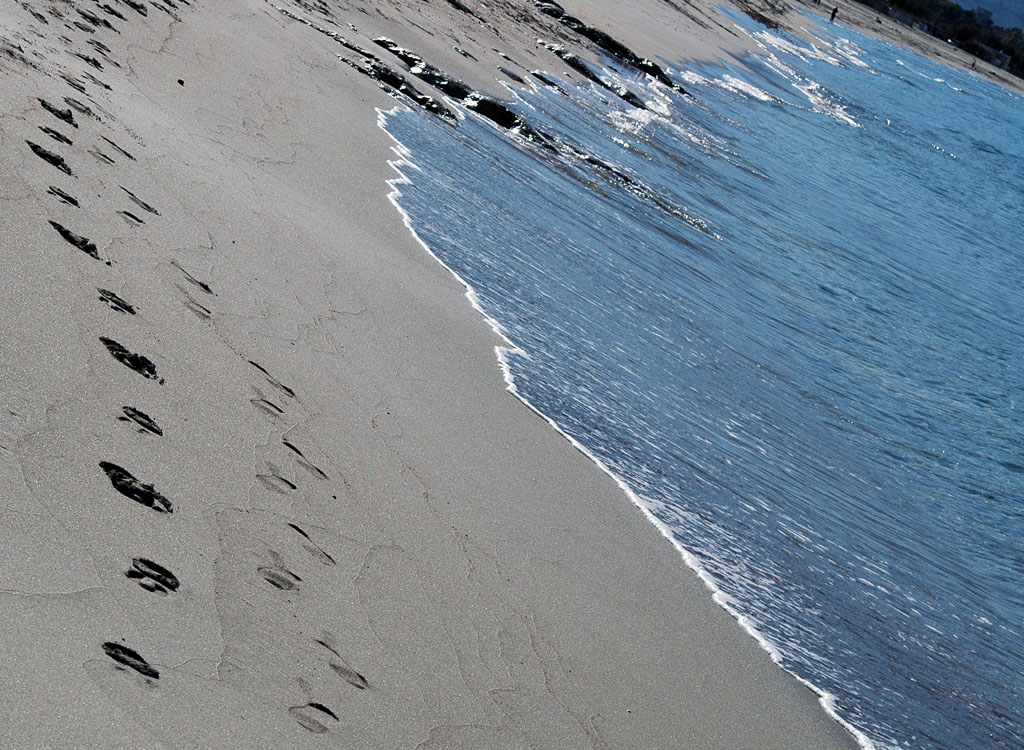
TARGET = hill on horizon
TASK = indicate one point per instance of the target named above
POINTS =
(1006, 13)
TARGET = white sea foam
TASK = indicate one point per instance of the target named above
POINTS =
(770, 41)
(732, 83)
(813, 91)
(404, 162)
(851, 53)
(919, 73)
(820, 101)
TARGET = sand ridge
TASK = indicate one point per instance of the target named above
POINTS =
(262, 483)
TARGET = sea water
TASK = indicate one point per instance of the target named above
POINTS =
(794, 334)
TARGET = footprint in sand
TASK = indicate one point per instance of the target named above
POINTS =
(140, 420)
(93, 79)
(165, 9)
(83, 109)
(152, 577)
(144, 494)
(130, 219)
(139, 8)
(192, 279)
(339, 665)
(275, 482)
(50, 158)
(277, 575)
(99, 156)
(65, 115)
(269, 408)
(89, 60)
(136, 199)
(304, 462)
(57, 135)
(84, 244)
(95, 20)
(130, 659)
(73, 82)
(63, 197)
(103, 49)
(137, 362)
(313, 716)
(36, 14)
(313, 548)
(115, 302)
(274, 381)
(111, 12)
(192, 305)
(118, 148)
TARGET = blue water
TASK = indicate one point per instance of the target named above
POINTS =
(805, 361)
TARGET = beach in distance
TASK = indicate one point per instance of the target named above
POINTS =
(269, 474)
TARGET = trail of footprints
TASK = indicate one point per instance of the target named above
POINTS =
(312, 715)
(152, 576)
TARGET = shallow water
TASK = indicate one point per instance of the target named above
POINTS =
(795, 335)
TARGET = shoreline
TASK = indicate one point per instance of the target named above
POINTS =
(825, 699)
(866, 20)
(371, 544)
(409, 157)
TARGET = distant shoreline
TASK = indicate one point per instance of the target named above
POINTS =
(866, 19)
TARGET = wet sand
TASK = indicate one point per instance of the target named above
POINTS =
(263, 484)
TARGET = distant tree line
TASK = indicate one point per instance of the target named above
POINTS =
(968, 28)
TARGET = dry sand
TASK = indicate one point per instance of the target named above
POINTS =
(262, 483)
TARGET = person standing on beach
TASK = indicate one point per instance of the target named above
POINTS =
(832, 18)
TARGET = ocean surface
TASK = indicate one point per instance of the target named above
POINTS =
(788, 314)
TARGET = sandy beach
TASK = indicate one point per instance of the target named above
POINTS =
(263, 484)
